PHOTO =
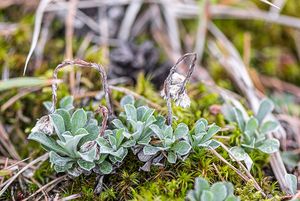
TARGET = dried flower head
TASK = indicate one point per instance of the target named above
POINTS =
(43, 125)
(181, 98)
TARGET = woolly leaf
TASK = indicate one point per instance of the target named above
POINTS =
(46, 141)
(66, 117)
(269, 126)
(269, 146)
(265, 107)
(150, 150)
(85, 164)
(213, 129)
(129, 99)
(291, 180)
(59, 125)
(130, 111)
(78, 120)
(238, 153)
(251, 125)
(105, 167)
(66, 103)
(181, 131)
(172, 157)
(58, 160)
(182, 148)
(207, 196)
(219, 191)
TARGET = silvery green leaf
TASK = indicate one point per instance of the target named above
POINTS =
(172, 157)
(58, 160)
(265, 107)
(66, 117)
(214, 144)
(150, 150)
(129, 99)
(139, 131)
(228, 112)
(47, 142)
(130, 111)
(67, 136)
(59, 169)
(93, 132)
(113, 141)
(108, 132)
(238, 153)
(81, 131)
(248, 162)
(48, 105)
(200, 185)
(269, 146)
(117, 123)
(106, 150)
(140, 112)
(105, 167)
(207, 196)
(102, 158)
(190, 196)
(229, 188)
(157, 131)
(119, 136)
(182, 148)
(89, 155)
(232, 198)
(120, 154)
(102, 142)
(127, 134)
(269, 126)
(181, 131)
(251, 125)
(219, 191)
(59, 125)
(71, 145)
(200, 125)
(168, 132)
(129, 143)
(66, 103)
(78, 120)
(212, 130)
(160, 121)
(148, 113)
(291, 180)
(239, 118)
(88, 166)
(75, 172)
(144, 141)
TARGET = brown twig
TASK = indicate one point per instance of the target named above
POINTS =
(83, 64)
(103, 110)
(57, 180)
(9, 182)
(168, 81)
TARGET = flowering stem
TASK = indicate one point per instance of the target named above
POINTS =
(102, 109)
(168, 82)
(83, 64)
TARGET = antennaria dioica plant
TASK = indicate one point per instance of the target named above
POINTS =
(77, 143)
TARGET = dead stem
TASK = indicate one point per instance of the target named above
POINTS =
(10, 181)
(242, 175)
(103, 110)
(168, 81)
(57, 180)
(83, 64)
(244, 168)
